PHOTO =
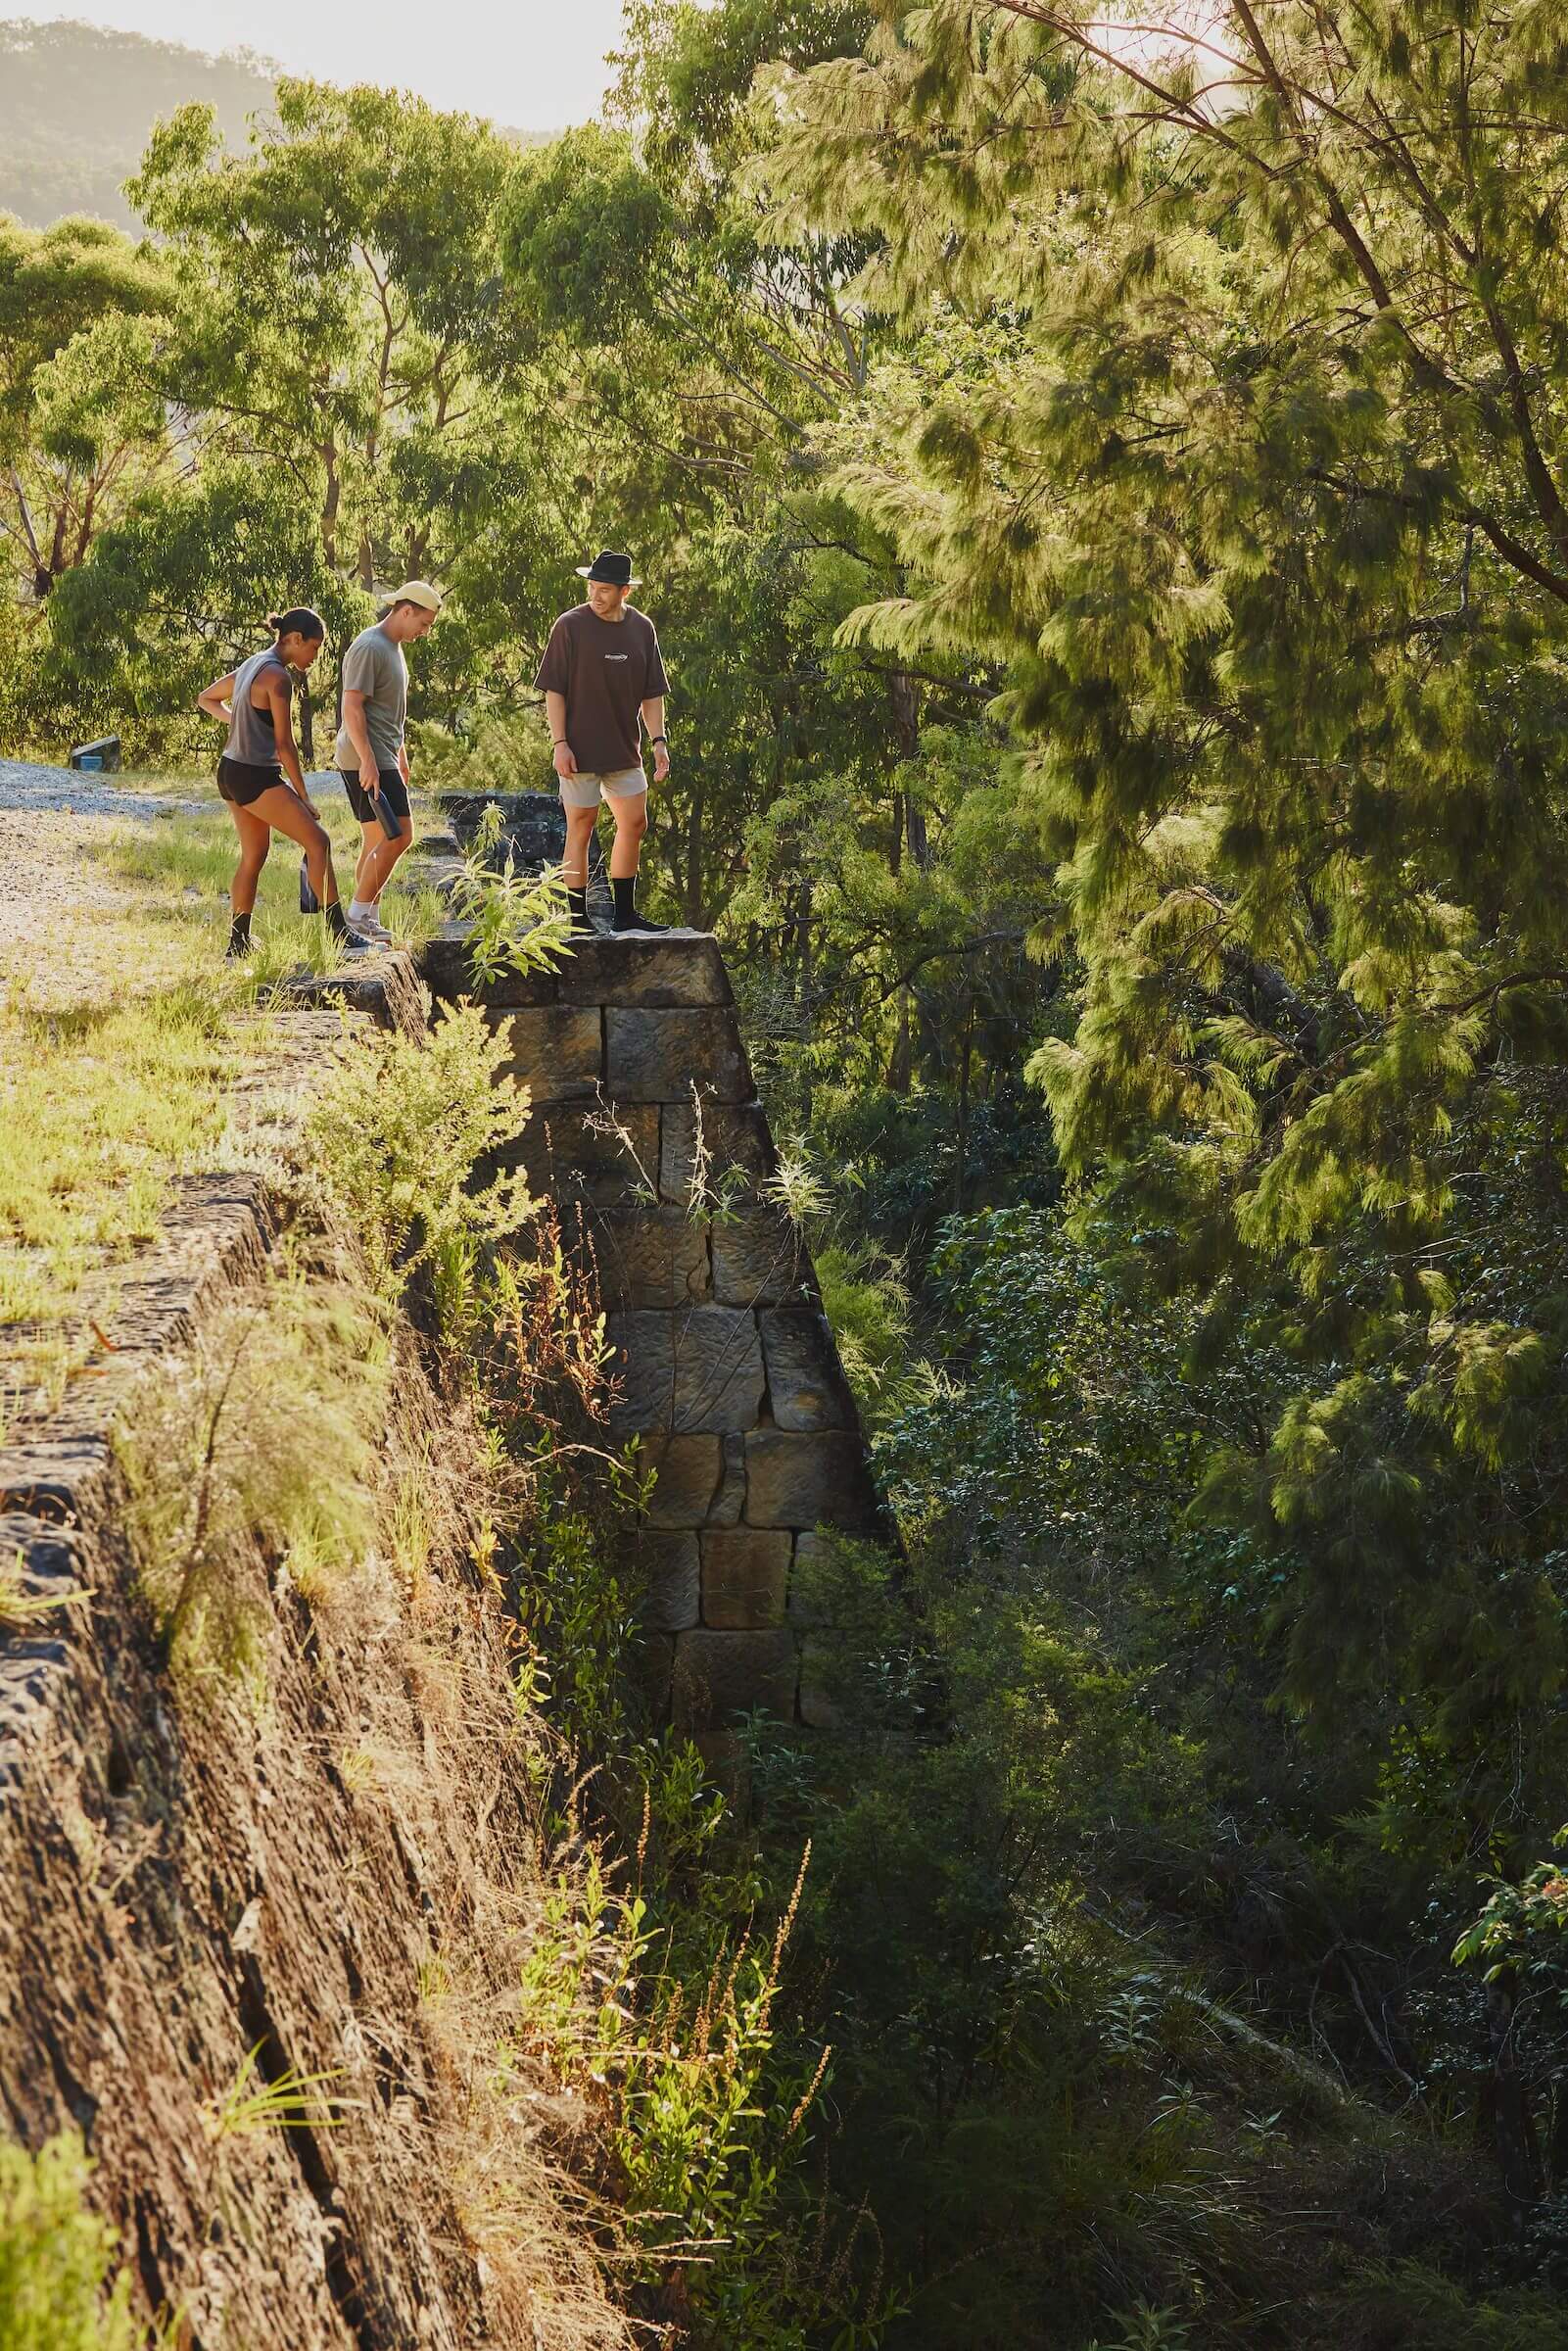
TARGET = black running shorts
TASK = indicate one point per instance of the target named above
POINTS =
(394, 791)
(240, 785)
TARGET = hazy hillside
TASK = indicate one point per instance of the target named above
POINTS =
(76, 103)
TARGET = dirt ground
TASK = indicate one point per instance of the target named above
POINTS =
(62, 917)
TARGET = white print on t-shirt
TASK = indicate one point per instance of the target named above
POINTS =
(617, 657)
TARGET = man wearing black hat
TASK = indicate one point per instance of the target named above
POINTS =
(602, 680)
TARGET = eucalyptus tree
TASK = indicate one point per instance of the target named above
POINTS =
(345, 341)
(79, 430)
(1262, 503)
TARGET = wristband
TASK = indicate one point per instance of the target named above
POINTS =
(559, 740)
(664, 739)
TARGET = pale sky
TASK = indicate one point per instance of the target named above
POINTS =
(532, 65)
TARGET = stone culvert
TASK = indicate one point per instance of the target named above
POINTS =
(646, 1131)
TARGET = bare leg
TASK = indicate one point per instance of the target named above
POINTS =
(255, 839)
(375, 866)
(371, 837)
(286, 813)
(631, 813)
(579, 823)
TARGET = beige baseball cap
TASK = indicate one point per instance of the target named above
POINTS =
(417, 592)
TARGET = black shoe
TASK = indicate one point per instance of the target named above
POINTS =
(637, 920)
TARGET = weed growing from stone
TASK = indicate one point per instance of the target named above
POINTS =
(396, 1142)
(288, 2101)
(519, 922)
(253, 1459)
(21, 1609)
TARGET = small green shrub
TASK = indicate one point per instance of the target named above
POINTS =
(396, 1138)
(255, 1456)
(57, 2286)
(518, 922)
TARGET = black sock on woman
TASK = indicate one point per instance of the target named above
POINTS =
(337, 921)
(239, 935)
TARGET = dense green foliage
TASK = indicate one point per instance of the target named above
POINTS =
(1111, 546)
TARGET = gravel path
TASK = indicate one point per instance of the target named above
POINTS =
(58, 907)
(25, 786)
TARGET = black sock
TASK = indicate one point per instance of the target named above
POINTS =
(627, 917)
(337, 922)
(239, 935)
(577, 901)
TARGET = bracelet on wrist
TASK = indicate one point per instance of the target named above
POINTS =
(664, 739)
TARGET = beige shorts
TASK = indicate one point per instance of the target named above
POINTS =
(583, 792)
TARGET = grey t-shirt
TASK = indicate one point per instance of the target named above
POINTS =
(375, 667)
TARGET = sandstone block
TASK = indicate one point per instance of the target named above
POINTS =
(800, 1480)
(557, 1049)
(760, 1259)
(687, 1478)
(669, 1567)
(384, 987)
(657, 1056)
(533, 823)
(650, 1257)
(446, 969)
(745, 1576)
(806, 1383)
(696, 1372)
(733, 1137)
(730, 1497)
(719, 1675)
(681, 968)
(573, 1154)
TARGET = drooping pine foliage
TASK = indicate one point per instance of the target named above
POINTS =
(1243, 443)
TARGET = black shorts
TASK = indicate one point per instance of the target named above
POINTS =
(240, 785)
(394, 791)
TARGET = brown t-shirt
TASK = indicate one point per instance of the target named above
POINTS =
(606, 669)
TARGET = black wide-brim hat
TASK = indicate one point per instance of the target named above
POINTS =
(613, 569)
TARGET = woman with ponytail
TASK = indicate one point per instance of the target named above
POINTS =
(256, 703)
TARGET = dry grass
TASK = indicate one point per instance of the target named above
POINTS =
(383, 1529)
(110, 1088)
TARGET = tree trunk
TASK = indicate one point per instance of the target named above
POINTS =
(901, 1060)
(694, 859)
(1513, 2123)
(961, 1166)
(919, 846)
(327, 452)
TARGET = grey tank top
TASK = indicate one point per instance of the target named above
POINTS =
(252, 738)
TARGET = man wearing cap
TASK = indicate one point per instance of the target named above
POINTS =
(371, 754)
(603, 682)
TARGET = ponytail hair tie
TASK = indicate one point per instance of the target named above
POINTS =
(298, 621)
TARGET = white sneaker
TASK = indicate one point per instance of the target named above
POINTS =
(369, 923)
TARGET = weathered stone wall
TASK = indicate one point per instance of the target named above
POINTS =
(190, 1886)
(643, 1105)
